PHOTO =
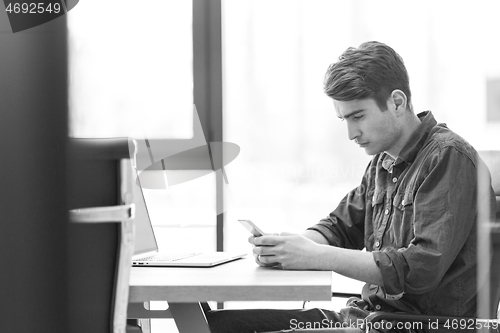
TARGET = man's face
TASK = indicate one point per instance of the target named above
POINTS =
(370, 127)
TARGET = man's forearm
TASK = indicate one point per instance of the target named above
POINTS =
(315, 236)
(354, 264)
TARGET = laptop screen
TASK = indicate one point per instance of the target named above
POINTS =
(145, 240)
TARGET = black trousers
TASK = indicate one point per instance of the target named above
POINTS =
(349, 319)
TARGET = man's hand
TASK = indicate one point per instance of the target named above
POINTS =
(288, 251)
(258, 257)
(309, 251)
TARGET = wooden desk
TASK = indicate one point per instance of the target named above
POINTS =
(241, 280)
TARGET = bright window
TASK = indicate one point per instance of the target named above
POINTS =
(296, 162)
(131, 69)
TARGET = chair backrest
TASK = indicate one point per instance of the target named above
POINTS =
(492, 160)
(100, 249)
(495, 273)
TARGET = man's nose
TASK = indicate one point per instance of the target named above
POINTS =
(352, 131)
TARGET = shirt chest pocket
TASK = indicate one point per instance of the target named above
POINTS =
(380, 208)
(403, 200)
(402, 218)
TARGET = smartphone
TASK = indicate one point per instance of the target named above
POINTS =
(250, 226)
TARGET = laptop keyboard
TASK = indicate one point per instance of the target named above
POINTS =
(169, 257)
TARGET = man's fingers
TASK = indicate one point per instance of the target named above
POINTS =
(263, 251)
(251, 240)
(256, 257)
(267, 240)
(265, 261)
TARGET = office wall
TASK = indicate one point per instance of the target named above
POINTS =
(33, 218)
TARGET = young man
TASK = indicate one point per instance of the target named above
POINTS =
(414, 211)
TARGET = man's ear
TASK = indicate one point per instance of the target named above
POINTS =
(400, 100)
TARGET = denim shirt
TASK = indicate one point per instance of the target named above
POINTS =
(417, 216)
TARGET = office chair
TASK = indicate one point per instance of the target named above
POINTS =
(100, 243)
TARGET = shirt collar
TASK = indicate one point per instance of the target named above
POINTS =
(414, 144)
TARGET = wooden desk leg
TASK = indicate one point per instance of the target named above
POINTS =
(189, 317)
(145, 323)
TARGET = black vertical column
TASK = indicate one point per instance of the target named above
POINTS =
(207, 86)
(33, 213)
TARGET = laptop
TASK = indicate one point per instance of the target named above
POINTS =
(146, 253)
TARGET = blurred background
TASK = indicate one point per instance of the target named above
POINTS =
(131, 74)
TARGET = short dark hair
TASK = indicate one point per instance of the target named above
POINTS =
(373, 70)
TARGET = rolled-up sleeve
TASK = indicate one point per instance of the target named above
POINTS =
(443, 215)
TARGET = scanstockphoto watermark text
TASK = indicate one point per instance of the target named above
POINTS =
(359, 324)
(454, 324)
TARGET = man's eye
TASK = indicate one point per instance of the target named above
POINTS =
(358, 117)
